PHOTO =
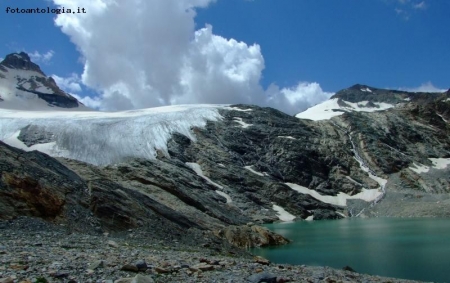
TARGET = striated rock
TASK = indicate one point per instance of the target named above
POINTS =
(251, 236)
(96, 264)
(261, 260)
(143, 279)
(348, 268)
(262, 277)
(129, 267)
(113, 244)
(61, 274)
(137, 279)
(202, 267)
(161, 270)
(124, 280)
(141, 265)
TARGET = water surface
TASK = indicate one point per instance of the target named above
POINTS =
(416, 249)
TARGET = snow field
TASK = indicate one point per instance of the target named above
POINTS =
(419, 168)
(330, 108)
(438, 163)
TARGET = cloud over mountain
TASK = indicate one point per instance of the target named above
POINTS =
(149, 53)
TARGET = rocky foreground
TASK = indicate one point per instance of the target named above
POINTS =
(35, 251)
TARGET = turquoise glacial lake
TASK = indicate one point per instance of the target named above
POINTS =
(417, 248)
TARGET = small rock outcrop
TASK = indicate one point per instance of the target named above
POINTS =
(251, 236)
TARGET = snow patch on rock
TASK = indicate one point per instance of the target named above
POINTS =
(242, 123)
(282, 214)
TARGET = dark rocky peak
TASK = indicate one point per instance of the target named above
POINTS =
(359, 92)
(20, 61)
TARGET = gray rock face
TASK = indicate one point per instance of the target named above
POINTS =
(358, 93)
(31, 135)
(20, 61)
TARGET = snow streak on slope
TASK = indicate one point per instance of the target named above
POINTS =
(249, 168)
(340, 199)
(197, 169)
(242, 123)
(103, 138)
(282, 214)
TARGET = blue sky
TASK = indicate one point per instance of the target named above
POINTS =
(293, 52)
(340, 43)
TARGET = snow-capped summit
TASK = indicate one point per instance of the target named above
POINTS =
(363, 98)
(23, 86)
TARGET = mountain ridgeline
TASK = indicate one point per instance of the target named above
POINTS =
(223, 170)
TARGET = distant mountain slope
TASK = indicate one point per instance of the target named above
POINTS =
(385, 153)
(23, 86)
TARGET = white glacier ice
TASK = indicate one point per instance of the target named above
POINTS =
(103, 138)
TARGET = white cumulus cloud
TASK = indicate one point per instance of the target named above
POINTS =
(41, 57)
(69, 84)
(91, 102)
(150, 53)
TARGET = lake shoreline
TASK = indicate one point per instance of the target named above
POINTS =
(29, 252)
(410, 248)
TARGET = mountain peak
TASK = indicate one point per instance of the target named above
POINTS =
(20, 61)
(24, 86)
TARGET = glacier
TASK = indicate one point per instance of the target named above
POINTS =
(103, 138)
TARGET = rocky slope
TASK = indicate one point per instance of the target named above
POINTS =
(246, 164)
